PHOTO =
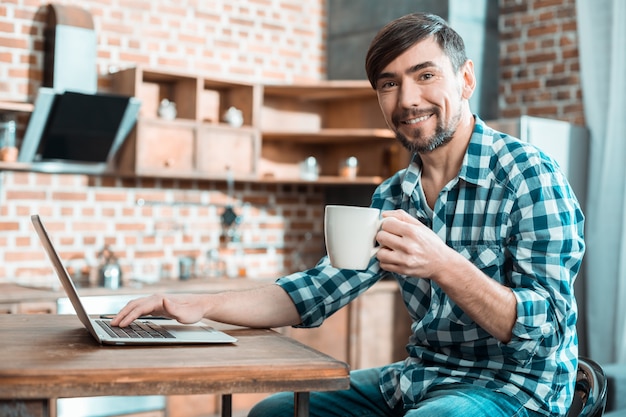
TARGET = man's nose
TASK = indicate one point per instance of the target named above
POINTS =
(410, 95)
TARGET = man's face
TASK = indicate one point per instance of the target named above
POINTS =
(421, 96)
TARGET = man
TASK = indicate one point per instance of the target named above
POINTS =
(484, 237)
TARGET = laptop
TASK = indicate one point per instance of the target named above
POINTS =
(144, 331)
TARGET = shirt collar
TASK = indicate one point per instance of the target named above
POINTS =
(475, 167)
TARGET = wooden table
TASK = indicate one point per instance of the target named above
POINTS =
(46, 357)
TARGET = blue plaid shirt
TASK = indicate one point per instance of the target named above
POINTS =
(513, 214)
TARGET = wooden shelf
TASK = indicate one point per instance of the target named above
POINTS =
(325, 180)
(322, 90)
(330, 135)
(158, 173)
(16, 106)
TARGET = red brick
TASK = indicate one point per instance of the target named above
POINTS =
(546, 16)
(563, 95)
(25, 195)
(510, 112)
(13, 43)
(69, 195)
(570, 53)
(20, 178)
(562, 81)
(510, 60)
(125, 227)
(525, 85)
(574, 108)
(111, 196)
(570, 27)
(24, 255)
(539, 4)
(9, 226)
(6, 57)
(512, 6)
(543, 30)
(90, 226)
(141, 254)
(542, 111)
(541, 57)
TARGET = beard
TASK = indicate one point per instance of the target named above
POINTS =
(418, 142)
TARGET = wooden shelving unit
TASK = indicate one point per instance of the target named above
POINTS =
(197, 143)
(331, 121)
(282, 126)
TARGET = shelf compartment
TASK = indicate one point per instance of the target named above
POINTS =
(327, 105)
(281, 159)
(224, 148)
(160, 148)
(217, 96)
(152, 86)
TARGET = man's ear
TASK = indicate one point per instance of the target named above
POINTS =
(469, 79)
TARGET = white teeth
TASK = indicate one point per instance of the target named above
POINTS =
(416, 120)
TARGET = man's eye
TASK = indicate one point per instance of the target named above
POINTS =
(428, 76)
(387, 84)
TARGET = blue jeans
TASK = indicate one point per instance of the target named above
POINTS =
(363, 399)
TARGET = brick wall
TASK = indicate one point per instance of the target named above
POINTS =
(250, 40)
(539, 64)
(150, 224)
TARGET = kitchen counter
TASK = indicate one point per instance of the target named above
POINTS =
(14, 293)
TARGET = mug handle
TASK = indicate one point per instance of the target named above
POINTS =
(377, 248)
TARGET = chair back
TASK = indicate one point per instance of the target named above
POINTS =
(590, 391)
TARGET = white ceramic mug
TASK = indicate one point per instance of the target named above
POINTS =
(350, 234)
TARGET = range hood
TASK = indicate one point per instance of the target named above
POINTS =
(77, 132)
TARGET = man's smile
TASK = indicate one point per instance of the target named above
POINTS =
(416, 120)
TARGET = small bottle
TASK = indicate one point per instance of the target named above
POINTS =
(242, 271)
(234, 117)
(167, 109)
(349, 167)
(236, 267)
(186, 265)
(309, 169)
(8, 149)
(110, 272)
(215, 265)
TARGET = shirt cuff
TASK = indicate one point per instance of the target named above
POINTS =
(534, 331)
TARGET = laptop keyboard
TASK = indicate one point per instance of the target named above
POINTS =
(137, 329)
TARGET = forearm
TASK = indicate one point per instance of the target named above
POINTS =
(490, 304)
(266, 306)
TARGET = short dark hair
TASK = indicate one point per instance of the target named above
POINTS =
(402, 33)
